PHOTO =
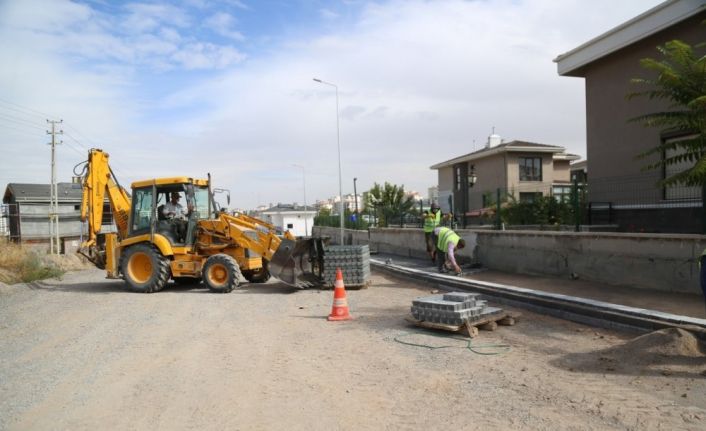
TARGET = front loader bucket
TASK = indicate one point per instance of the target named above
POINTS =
(298, 262)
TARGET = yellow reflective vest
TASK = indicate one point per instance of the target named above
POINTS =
(446, 236)
(431, 221)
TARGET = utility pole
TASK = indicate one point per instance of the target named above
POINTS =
(54, 245)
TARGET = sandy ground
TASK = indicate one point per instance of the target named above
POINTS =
(83, 353)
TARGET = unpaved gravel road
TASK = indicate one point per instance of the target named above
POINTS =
(83, 353)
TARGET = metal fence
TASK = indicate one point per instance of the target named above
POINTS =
(8, 216)
(539, 204)
(634, 203)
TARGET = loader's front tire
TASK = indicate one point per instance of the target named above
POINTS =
(221, 273)
(144, 268)
(260, 275)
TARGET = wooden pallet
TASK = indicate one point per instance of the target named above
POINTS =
(489, 323)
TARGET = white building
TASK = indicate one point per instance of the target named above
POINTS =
(433, 194)
(292, 218)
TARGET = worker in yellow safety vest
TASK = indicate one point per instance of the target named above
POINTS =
(431, 221)
(447, 242)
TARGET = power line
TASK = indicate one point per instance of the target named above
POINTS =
(25, 110)
(75, 140)
(40, 114)
(78, 132)
(76, 150)
(25, 131)
(19, 121)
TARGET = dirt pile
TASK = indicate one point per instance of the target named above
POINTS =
(666, 343)
(667, 351)
(19, 263)
(69, 262)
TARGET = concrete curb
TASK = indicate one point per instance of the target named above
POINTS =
(582, 310)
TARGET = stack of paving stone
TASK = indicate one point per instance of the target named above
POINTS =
(353, 260)
(454, 308)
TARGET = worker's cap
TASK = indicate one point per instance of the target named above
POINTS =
(435, 206)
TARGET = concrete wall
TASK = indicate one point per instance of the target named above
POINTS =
(644, 261)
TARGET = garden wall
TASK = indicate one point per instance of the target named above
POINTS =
(647, 261)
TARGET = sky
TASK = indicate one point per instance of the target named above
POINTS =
(191, 87)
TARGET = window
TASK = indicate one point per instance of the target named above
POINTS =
(458, 178)
(142, 209)
(290, 225)
(201, 204)
(529, 197)
(561, 193)
(679, 191)
(530, 169)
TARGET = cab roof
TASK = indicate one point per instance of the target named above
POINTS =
(169, 181)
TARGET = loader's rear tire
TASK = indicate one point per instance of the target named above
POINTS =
(144, 268)
(221, 273)
(260, 275)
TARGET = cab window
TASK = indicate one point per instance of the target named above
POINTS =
(201, 204)
(141, 209)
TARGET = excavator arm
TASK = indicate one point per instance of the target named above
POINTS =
(99, 182)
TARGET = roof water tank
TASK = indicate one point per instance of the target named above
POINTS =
(494, 140)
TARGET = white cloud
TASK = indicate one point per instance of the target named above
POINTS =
(222, 23)
(206, 56)
(419, 82)
(328, 14)
(145, 17)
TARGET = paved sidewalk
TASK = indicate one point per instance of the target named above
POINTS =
(677, 303)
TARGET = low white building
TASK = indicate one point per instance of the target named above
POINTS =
(293, 218)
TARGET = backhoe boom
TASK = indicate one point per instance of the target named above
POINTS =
(98, 182)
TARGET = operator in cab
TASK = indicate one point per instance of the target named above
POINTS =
(177, 215)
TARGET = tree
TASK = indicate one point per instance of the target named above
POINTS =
(388, 201)
(680, 80)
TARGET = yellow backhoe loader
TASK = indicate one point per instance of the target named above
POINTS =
(150, 248)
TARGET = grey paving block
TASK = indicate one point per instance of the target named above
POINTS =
(460, 296)
(452, 308)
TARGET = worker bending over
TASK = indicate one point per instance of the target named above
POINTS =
(447, 242)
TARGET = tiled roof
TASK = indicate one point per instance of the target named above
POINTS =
(280, 208)
(499, 149)
(41, 192)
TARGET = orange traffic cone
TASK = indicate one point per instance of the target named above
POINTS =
(339, 311)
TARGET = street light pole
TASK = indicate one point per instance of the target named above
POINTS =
(306, 224)
(338, 142)
(355, 196)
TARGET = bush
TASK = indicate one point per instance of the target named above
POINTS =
(335, 221)
(33, 268)
(545, 210)
(20, 264)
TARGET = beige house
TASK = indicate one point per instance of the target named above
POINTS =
(519, 169)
